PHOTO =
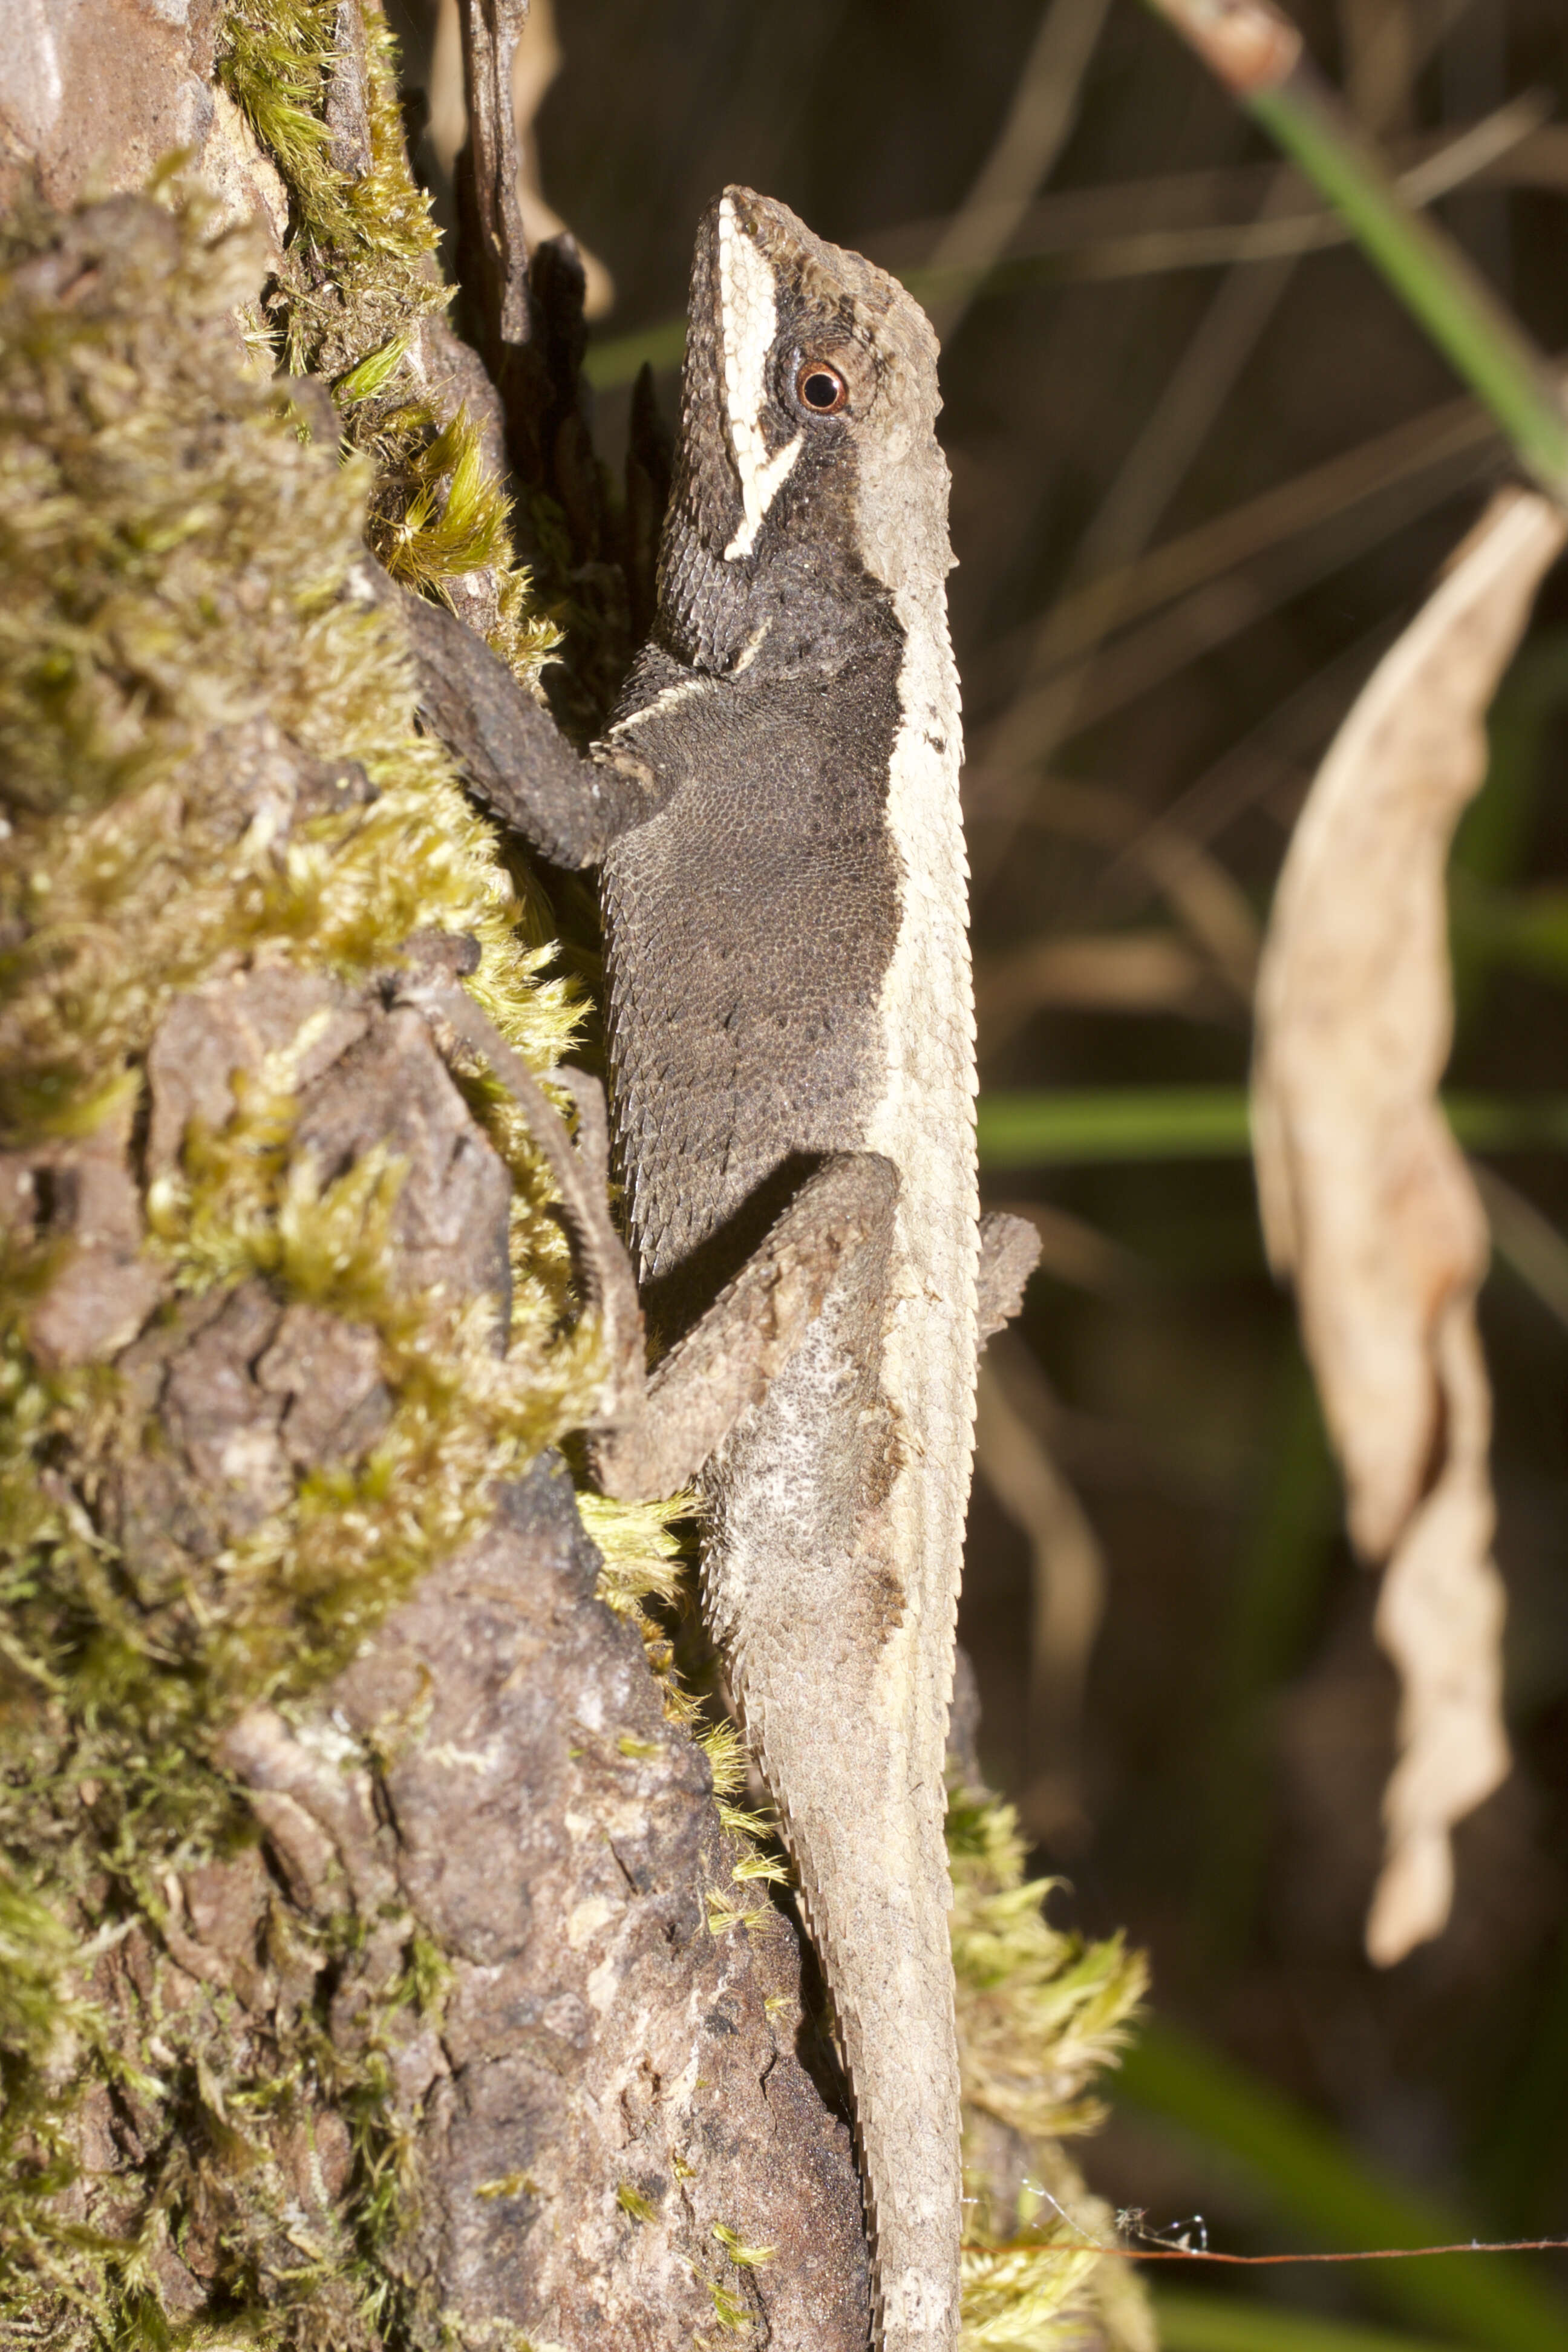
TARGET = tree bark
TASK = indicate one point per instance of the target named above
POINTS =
(375, 1966)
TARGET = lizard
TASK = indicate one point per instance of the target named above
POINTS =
(774, 815)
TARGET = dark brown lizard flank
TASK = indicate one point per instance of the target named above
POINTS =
(757, 915)
(750, 924)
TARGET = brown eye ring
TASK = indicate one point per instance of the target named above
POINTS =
(820, 388)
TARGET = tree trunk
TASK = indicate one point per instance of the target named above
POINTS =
(361, 1987)
(378, 1966)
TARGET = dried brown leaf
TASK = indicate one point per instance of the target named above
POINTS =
(1366, 1200)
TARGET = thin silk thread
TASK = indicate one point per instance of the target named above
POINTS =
(1158, 2248)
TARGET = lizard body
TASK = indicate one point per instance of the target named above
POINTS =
(775, 815)
(789, 976)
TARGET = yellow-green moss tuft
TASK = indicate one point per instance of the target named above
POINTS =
(745, 2257)
(730, 2312)
(358, 280)
(1040, 2012)
(456, 519)
(359, 268)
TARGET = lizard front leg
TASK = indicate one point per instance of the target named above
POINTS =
(513, 757)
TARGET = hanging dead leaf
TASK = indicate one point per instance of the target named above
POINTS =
(1366, 1200)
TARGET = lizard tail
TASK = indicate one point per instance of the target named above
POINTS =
(886, 1956)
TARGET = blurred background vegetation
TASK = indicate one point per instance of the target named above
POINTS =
(1203, 467)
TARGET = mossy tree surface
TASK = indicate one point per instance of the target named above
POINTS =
(224, 826)
(285, 1312)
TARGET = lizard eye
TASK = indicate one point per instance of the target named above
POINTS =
(820, 388)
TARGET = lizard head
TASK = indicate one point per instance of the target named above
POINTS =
(808, 466)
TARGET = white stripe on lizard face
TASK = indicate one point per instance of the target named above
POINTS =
(749, 320)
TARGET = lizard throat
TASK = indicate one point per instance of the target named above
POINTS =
(748, 323)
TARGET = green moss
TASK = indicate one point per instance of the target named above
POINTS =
(642, 1578)
(730, 2312)
(641, 1554)
(1040, 2014)
(745, 2257)
(1043, 2009)
(358, 277)
(456, 519)
(359, 268)
(177, 558)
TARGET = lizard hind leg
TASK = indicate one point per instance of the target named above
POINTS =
(651, 1434)
(661, 1436)
(1009, 1252)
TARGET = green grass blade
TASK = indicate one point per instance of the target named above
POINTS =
(1211, 2322)
(1502, 1123)
(1305, 2174)
(1256, 50)
(618, 357)
(1030, 1129)
(1432, 276)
